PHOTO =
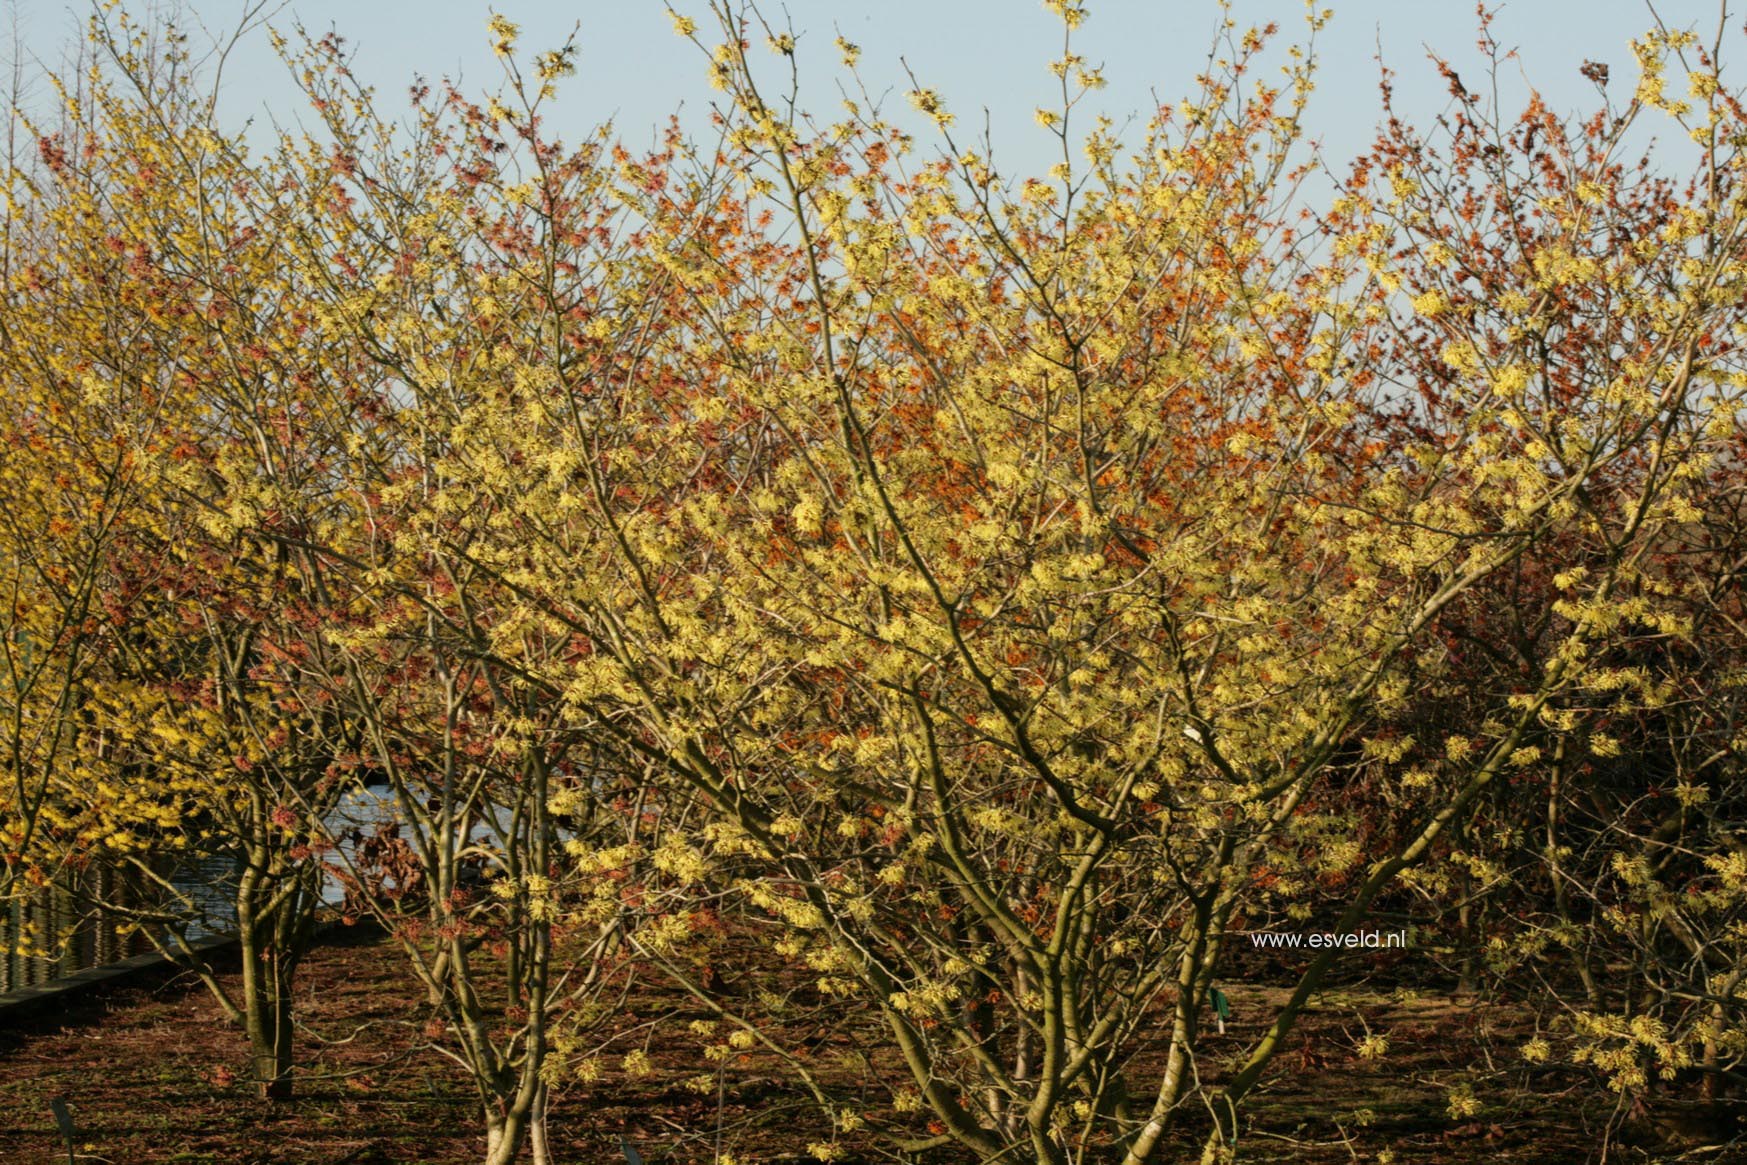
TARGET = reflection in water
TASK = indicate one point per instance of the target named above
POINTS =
(207, 886)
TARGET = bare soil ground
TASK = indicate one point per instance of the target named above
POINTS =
(153, 1074)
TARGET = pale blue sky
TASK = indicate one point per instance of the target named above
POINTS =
(977, 53)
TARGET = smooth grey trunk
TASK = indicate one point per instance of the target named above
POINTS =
(537, 1130)
(272, 932)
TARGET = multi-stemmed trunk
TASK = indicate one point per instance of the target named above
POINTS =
(276, 902)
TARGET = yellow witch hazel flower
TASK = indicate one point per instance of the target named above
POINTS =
(1432, 303)
(1072, 14)
(1510, 380)
(928, 101)
(503, 34)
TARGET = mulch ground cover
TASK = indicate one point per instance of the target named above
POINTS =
(152, 1073)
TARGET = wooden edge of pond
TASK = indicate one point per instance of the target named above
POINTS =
(26, 999)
